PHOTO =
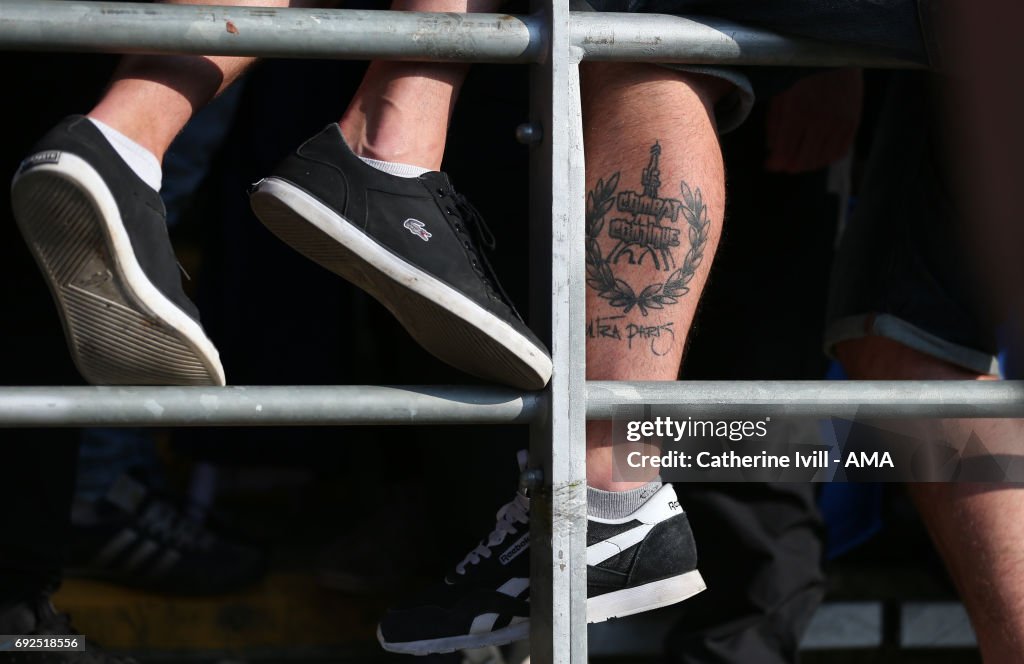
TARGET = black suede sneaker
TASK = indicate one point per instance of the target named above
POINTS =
(39, 618)
(99, 235)
(411, 243)
(642, 562)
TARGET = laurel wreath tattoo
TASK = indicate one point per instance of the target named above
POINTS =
(600, 275)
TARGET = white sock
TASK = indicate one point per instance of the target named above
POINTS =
(139, 159)
(395, 168)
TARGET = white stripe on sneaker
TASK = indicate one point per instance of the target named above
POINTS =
(115, 547)
(514, 587)
(483, 623)
(605, 549)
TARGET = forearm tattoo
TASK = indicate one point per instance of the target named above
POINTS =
(648, 229)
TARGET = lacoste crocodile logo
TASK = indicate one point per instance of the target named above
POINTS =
(415, 226)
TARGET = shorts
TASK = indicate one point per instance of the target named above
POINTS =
(902, 28)
(902, 271)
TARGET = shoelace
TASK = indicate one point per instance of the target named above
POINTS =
(477, 232)
(515, 512)
(164, 520)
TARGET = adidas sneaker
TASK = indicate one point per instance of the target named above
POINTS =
(414, 244)
(132, 537)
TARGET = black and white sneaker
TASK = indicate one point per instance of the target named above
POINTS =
(642, 562)
(99, 235)
(134, 538)
(411, 243)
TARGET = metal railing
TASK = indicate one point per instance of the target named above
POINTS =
(553, 41)
(116, 27)
(445, 404)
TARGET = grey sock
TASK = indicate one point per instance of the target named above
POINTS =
(619, 504)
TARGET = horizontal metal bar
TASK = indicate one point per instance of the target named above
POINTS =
(704, 40)
(437, 404)
(810, 398)
(116, 27)
(264, 406)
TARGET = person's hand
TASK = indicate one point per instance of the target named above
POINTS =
(813, 123)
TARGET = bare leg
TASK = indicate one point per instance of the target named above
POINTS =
(978, 528)
(651, 140)
(397, 96)
(400, 112)
(152, 97)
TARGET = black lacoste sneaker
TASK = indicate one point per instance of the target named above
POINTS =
(38, 618)
(411, 243)
(99, 235)
(642, 562)
(132, 537)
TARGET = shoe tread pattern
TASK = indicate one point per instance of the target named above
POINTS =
(114, 339)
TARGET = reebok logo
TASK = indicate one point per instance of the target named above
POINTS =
(48, 157)
(521, 545)
(415, 226)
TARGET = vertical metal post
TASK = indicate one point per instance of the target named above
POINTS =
(558, 586)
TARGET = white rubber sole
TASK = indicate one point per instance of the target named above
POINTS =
(650, 596)
(617, 604)
(500, 637)
(120, 328)
(445, 322)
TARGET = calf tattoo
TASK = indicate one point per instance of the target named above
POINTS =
(658, 338)
(646, 227)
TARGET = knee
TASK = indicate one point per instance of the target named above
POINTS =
(881, 358)
(601, 79)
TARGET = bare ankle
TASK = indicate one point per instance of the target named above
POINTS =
(387, 144)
